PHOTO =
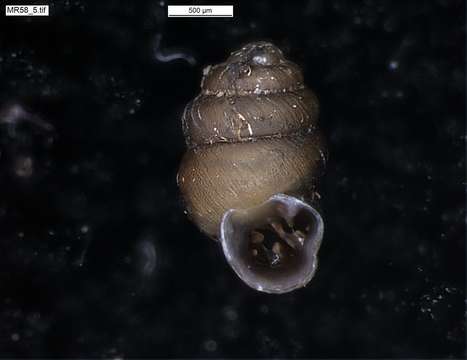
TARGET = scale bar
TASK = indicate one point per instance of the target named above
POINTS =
(200, 11)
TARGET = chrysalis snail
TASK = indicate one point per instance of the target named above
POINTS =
(250, 173)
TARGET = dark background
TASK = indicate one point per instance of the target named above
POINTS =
(98, 259)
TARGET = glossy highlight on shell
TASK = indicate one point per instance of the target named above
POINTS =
(252, 138)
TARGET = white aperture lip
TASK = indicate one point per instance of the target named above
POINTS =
(273, 247)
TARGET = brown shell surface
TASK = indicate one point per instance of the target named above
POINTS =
(255, 93)
(210, 119)
(251, 133)
(216, 178)
(240, 79)
(256, 68)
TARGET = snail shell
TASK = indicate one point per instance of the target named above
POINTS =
(253, 160)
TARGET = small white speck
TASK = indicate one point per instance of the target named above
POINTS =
(250, 131)
(393, 65)
(206, 70)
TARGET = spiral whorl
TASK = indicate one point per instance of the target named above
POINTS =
(255, 94)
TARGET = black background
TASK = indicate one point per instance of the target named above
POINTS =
(88, 193)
